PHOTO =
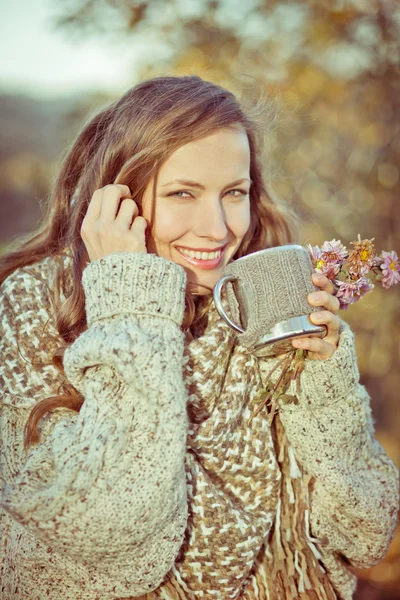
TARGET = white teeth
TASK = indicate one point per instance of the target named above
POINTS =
(201, 255)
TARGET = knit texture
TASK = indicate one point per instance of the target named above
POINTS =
(163, 481)
(272, 286)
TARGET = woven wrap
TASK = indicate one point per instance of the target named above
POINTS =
(249, 493)
(272, 286)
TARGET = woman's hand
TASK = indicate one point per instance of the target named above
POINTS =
(112, 224)
(317, 348)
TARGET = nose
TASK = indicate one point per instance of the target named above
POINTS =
(210, 221)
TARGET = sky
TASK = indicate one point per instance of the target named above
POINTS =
(42, 62)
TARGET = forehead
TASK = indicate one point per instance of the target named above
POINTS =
(225, 154)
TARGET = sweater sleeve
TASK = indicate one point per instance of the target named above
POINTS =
(354, 499)
(106, 486)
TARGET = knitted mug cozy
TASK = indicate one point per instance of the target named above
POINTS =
(267, 296)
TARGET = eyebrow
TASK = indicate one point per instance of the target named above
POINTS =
(199, 185)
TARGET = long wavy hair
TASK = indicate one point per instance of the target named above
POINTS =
(127, 143)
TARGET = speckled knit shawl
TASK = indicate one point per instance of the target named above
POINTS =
(246, 491)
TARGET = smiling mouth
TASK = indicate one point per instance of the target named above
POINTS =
(202, 259)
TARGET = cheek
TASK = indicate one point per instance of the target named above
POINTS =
(169, 225)
(239, 220)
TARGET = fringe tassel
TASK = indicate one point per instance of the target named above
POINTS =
(294, 571)
(288, 567)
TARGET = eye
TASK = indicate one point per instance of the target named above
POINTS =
(180, 194)
(237, 193)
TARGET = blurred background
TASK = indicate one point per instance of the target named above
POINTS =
(333, 66)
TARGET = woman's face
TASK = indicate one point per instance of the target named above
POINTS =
(202, 207)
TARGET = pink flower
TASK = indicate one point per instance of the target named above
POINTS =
(328, 259)
(390, 267)
(315, 253)
(329, 269)
(377, 261)
(334, 251)
(352, 291)
(365, 287)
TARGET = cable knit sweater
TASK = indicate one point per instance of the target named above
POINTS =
(99, 508)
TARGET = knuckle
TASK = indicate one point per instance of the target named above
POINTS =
(123, 186)
(119, 228)
(337, 324)
(110, 188)
(128, 202)
(85, 228)
(323, 348)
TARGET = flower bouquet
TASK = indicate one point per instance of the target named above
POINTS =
(350, 270)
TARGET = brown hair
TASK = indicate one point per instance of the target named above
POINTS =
(127, 143)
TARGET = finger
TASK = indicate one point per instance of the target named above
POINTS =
(127, 212)
(112, 194)
(325, 300)
(323, 282)
(315, 345)
(139, 225)
(325, 317)
(94, 208)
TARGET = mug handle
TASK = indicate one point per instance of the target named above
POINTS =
(218, 302)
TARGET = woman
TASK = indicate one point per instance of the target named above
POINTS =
(131, 464)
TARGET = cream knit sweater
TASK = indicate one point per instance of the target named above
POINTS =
(98, 510)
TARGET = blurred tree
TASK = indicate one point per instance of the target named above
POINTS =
(34, 133)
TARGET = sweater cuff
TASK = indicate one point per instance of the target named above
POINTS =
(134, 283)
(323, 381)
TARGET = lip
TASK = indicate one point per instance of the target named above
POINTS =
(203, 264)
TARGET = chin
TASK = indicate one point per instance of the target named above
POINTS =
(201, 291)
(204, 286)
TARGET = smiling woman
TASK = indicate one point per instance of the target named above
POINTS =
(133, 461)
(200, 221)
